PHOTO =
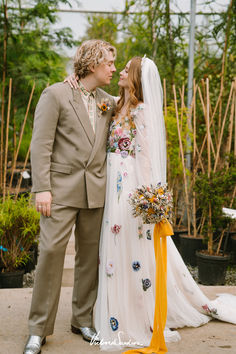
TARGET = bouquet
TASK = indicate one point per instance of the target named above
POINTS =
(153, 203)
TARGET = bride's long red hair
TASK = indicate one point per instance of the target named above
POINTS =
(135, 89)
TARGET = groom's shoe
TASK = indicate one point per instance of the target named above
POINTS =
(34, 344)
(88, 333)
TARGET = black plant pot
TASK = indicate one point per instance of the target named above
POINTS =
(212, 269)
(35, 249)
(30, 265)
(176, 236)
(188, 247)
(33, 253)
(12, 279)
(233, 248)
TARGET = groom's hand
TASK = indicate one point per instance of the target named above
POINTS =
(43, 203)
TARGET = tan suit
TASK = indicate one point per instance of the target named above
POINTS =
(69, 160)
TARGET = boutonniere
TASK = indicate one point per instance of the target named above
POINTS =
(104, 106)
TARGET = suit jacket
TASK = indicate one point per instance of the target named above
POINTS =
(67, 158)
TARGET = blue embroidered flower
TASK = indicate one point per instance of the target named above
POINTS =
(114, 323)
(136, 266)
(146, 283)
(148, 233)
(119, 186)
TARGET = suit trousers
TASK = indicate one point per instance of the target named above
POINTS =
(55, 232)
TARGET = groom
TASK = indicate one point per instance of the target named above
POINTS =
(68, 156)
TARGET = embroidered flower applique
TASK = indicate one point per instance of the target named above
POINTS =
(212, 311)
(124, 154)
(110, 268)
(146, 283)
(140, 231)
(148, 234)
(115, 229)
(136, 266)
(119, 186)
(121, 139)
(114, 323)
(124, 143)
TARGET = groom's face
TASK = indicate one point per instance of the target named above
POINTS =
(104, 71)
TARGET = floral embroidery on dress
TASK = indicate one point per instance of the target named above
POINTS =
(115, 229)
(122, 136)
(114, 323)
(146, 283)
(140, 231)
(209, 311)
(136, 266)
(119, 187)
(124, 143)
(149, 235)
(110, 268)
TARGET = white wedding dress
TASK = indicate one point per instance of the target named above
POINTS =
(124, 309)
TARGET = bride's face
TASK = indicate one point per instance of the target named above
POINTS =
(123, 82)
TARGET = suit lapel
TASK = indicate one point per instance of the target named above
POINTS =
(82, 114)
(101, 120)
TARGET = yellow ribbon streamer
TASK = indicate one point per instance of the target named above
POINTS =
(158, 345)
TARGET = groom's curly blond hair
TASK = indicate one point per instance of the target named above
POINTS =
(91, 53)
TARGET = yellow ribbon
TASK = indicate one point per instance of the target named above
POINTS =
(158, 345)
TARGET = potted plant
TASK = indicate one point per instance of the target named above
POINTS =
(214, 191)
(19, 227)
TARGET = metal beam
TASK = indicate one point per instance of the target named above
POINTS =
(122, 12)
(190, 78)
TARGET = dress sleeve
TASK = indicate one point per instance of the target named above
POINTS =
(142, 150)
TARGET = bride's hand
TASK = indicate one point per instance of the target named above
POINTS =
(72, 81)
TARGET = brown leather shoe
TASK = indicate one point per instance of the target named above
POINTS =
(88, 333)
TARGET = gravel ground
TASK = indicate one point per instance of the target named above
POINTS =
(28, 280)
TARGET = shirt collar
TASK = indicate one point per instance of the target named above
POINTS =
(85, 92)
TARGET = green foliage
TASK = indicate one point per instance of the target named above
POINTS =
(105, 27)
(19, 227)
(216, 191)
(31, 53)
(173, 150)
(152, 31)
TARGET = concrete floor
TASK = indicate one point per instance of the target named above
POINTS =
(214, 338)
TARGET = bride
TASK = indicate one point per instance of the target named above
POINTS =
(136, 155)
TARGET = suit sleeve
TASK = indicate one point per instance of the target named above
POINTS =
(45, 124)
